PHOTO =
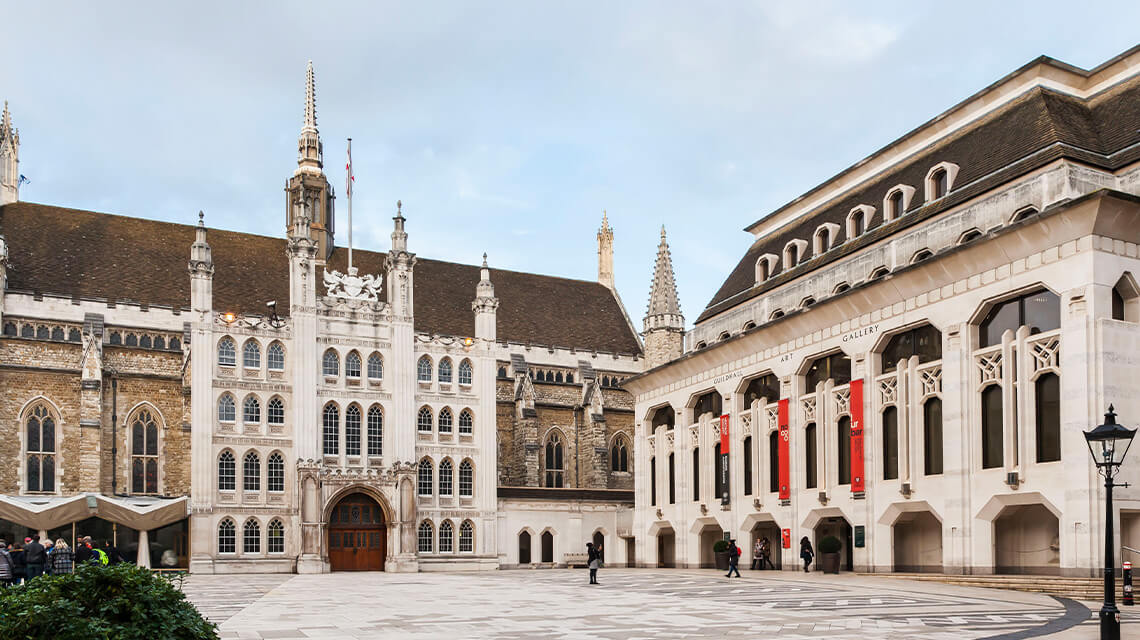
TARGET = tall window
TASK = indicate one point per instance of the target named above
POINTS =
(791, 256)
(992, 454)
(940, 182)
(375, 367)
(932, 437)
(553, 460)
(836, 366)
(718, 485)
(227, 353)
(251, 472)
(227, 412)
(843, 435)
(858, 224)
(375, 431)
(890, 443)
(809, 456)
(895, 205)
(275, 357)
(924, 342)
(466, 422)
(465, 372)
(423, 369)
(251, 410)
(227, 536)
(275, 472)
(423, 478)
(747, 466)
(251, 354)
(763, 269)
(445, 370)
(766, 386)
(446, 537)
(275, 411)
(227, 471)
(1040, 311)
(524, 547)
(653, 481)
(275, 537)
(466, 537)
(144, 453)
(40, 450)
(425, 537)
(672, 481)
(822, 240)
(330, 364)
(424, 420)
(619, 456)
(331, 423)
(1047, 399)
(696, 474)
(774, 462)
(444, 416)
(445, 478)
(352, 430)
(352, 365)
(251, 537)
(466, 479)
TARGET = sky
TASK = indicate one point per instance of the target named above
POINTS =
(506, 127)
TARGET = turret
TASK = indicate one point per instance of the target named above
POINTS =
(606, 253)
(9, 159)
(400, 263)
(485, 305)
(308, 193)
(201, 270)
(664, 324)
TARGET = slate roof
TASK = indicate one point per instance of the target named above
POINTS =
(90, 255)
(1030, 132)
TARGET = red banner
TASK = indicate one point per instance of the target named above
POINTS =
(858, 480)
(786, 538)
(724, 434)
(785, 461)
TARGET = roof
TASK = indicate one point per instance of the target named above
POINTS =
(89, 255)
(1032, 131)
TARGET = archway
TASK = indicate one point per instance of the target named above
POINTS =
(666, 548)
(599, 544)
(918, 543)
(357, 534)
(708, 536)
(547, 546)
(840, 528)
(524, 547)
(771, 531)
(1027, 540)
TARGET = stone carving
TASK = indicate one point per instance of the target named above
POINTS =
(351, 286)
(931, 381)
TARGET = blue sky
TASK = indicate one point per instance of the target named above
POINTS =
(506, 127)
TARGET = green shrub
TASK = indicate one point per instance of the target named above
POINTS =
(830, 544)
(120, 602)
(720, 546)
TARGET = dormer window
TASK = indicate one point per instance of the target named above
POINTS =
(940, 184)
(824, 238)
(879, 272)
(791, 255)
(895, 205)
(920, 255)
(765, 266)
(859, 220)
(939, 180)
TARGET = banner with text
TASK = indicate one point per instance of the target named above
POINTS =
(858, 480)
(722, 464)
(785, 461)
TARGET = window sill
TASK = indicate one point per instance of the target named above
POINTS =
(331, 379)
(465, 386)
(353, 381)
(445, 386)
(375, 381)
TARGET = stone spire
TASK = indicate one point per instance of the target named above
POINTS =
(310, 201)
(664, 324)
(485, 305)
(310, 151)
(201, 269)
(400, 264)
(399, 236)
(606, 252)
(9, 159)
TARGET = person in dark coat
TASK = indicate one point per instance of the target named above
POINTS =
(35, 556)
(62, 558)
(19, 565)
(83, 550)
(113, 555)
(5, 565)
(594, 559)
(806, 553)
(733, 559)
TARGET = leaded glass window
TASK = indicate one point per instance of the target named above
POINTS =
(144, 452)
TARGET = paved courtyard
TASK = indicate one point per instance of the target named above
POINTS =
(629, 603)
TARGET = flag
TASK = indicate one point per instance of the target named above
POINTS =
(23, 180)
(348, 170)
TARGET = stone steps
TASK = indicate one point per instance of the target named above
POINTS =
(1089, 589)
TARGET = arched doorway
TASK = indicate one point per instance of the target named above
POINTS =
(524, 547)
(358, 535)
(1027, 540)
(547, 546)
(599, 540)
(918, 543)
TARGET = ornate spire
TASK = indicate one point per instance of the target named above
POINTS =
(310, 100)
(399, 236)
(606, 252)
(664, 310)
(9, 159)
(310, 151)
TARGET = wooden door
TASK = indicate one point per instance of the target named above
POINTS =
(357, 535)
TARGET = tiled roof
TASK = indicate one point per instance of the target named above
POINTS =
(1033, 130)
(84, 254)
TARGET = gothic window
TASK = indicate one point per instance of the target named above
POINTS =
(809, 456)
(425, 537)
(619, 456)
(856, 224)
(375, 430)
(890, 443)
(1040, 311)
(748, 466)
(375, 367)
(330, 365)
(251, 472)
(553, 460)
(992, 454)
(466, 479)
(939, 183)
(696, 474)
(10, 328)
(524, 547)
(1047, 399)
(275, 357)
(331, 423)
(765, 387)
(822, 240)
(352, 365)
(159, 341)
(836, 366)
(424, 420)
(251, 537)
(446, 537)
(895, 205)
(423, 369)
(352, 430)
(144, 452)
(774, 462)
(444, 416)
(29, 331)
(445, 370)
(251, 410)
(924, 342)
(227, 472)
(465, 372)
(445, 478)
(672, 480)
(932, 437)
(547, 543)
(466, 537)
(653, 481)
(227, 412)
(174, 345)
(466, 422)
(227, 353)
(227, 537)
(251, 354)
(275, 411)
(424, 478)
(502, 372)
(57, 334)
(843, 443)
(275, 537)
(791, 256)
(132, 339)
(570, 378)
(275, 472)
(40, 449)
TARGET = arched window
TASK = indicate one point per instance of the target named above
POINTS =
(445, 478)
(375, 367)
(446, 536)
(843, 442)
(1040, 311)
(40, 449)
(747, 466)
(423, 369)
(251, 354)
(424, 420)
(144, 341)
(330, 421)
(251, 537)
(763, 269)
(423, 478)
(836, 367)
(547, 539)
(939, 184)
(1047, 400)
(330, 365)
(174, 344)
(352, 430)
(503, 372)
(524, 547)
(465, 372)
(444, 416)
(445, 370)
(807, 302)
(932, 437)
(426, 537)
(774, 462)
(352, 365)
(144, 452)
(275, 537)
(275, 357)
(791, 256)
(696, 467)
(890, 443)
(553, 460)
(809, 456)
(895, 206)
(924, 342)
(709, 402)
(992, 454)
(375, 431)
(822, 240)
(466, 422)
(856, 224)
(466, 479)
(275, 411)
(466, 537)
(619, 456)
(275, 472)
(227, 412)
(132, 339)
(227, 536)
(251, 472)
(251, 410)
(227, 353)
(227, 471)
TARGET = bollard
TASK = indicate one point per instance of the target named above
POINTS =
(1127, 600)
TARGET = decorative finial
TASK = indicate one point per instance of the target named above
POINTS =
(399, 205)
(662, 233)
(484, 259)
(201, 219)
(310, 99)
(1110, 417)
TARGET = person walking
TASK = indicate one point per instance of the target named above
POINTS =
(594, 559)
(766, 554)
(62, 558)
(733, 559)
(757, 554)
(19, 565)
(806, 553)
(49, 547)
(5, 565)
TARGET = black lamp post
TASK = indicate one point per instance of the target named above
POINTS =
(1108, 444)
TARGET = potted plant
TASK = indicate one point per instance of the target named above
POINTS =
(720, 550)
(829, 548)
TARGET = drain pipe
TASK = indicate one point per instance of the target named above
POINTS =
(114, 434)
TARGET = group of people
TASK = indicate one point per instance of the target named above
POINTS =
(30, 559)
(762, 554)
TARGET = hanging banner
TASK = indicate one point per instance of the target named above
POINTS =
(782, 443)
(858, 480)
(722, 464)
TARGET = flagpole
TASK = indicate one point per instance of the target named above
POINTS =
(348, 185)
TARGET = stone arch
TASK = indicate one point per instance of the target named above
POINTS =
(371, 492)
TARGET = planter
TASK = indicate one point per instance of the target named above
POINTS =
(829, 562)
(722, 560)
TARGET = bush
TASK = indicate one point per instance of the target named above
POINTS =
(720, 546)
(119, 602)
(830, 544)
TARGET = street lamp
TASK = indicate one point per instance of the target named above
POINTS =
(1108, 444)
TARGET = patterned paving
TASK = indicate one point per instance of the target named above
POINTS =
(629, 604)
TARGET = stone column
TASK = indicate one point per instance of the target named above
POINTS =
(143, 558)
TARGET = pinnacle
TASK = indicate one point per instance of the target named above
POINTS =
(663, 294)
(310, 99)
(484, 259)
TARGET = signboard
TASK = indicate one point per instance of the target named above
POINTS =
(858, 480)
(722, 464)
(860, 535)
(782, 445)
(786, 538)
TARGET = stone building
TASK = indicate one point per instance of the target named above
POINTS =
(906, 356)
(229, 402)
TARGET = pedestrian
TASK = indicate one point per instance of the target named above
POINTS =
(113, 555)
(34, 557)
(62, 558)
(19, 565)
(594, 559)
(49, 547)
(5, 565)
(806, 553)
(733, 559)
(766, 554)
(83, 550)
(757, 555)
